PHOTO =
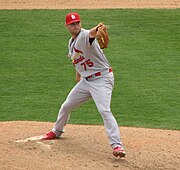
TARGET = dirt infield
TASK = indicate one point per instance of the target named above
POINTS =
(87, 4)
(86, 147)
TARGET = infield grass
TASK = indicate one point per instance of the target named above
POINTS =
(144, 52)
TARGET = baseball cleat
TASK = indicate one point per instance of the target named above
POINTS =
(118, 151)
(50, 136)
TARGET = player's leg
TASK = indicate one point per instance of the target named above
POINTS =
(77, 96)
(101, 91)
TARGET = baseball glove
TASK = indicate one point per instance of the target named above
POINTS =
(102, 35)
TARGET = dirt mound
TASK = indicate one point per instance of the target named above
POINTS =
(86, 147)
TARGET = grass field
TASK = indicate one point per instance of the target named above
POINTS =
(144, 52)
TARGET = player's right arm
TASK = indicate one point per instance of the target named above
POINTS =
(78, 77)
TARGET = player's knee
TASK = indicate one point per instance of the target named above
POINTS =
(65, 107)
(104, 112)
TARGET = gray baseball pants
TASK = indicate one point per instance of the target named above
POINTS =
(100, 90)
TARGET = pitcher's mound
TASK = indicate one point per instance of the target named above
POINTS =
(86, 147)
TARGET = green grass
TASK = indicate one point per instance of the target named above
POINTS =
(144, 51)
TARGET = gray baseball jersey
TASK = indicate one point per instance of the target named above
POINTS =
(87, 58)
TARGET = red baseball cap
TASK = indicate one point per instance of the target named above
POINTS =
(72, 17)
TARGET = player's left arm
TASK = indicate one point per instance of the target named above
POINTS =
(93, 32)
(100, 32)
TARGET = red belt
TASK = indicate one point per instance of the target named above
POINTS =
(98, 74)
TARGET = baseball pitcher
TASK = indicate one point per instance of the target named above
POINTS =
(95, 79)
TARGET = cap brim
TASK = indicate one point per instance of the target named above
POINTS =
(73, 22)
